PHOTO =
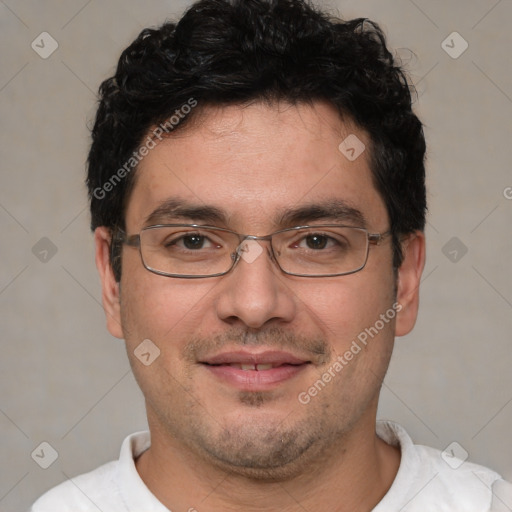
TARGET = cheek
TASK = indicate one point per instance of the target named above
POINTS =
(167, 312)
(344, 307)
(358, 318)
(160, 308)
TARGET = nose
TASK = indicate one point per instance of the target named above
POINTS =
(255, 292)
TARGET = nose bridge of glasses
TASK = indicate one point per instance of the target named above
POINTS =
(256, 237)
(253, 250)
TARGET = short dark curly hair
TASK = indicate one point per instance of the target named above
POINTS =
(226, 52)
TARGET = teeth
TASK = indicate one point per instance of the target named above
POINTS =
(260, 367)
(246, 367)
(243, 366)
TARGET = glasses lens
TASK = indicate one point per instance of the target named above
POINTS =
(187, 251)
(321, 250)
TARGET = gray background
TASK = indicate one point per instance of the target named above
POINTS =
(67, 382)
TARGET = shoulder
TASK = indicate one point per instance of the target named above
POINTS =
(453, 476)
(105, 488)
(502, 496)
(83, 493)
(431, 479)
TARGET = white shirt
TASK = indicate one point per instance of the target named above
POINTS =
(425, 482)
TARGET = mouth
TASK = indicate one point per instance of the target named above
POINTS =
(254, 367)
(251, 371)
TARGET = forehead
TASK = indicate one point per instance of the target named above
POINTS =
(255, 164)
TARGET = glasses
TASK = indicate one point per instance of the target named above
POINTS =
(194, 251)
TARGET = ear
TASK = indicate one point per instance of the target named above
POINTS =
(408, 284)
(110, 288)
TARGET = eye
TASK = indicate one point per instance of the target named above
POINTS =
(194, 241)
(316, 242)
(190, 241)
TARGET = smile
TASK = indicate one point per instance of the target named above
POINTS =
(254, 371)
(258, 367)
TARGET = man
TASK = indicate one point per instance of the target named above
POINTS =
(257, 193)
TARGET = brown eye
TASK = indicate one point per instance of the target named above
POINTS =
(317, 241)
(193, 241)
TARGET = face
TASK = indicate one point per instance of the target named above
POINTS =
(256, 170)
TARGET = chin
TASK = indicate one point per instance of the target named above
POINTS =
(262, 448)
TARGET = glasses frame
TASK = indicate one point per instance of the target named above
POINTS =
(134, 241)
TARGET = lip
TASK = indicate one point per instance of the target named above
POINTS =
(285, 367)
(248, 357)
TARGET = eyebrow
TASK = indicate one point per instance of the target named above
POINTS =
(331, 210)
(178, 209)
(335, 210)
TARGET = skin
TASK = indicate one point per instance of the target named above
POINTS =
(215, 447)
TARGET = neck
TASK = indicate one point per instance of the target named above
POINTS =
(353, 475)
